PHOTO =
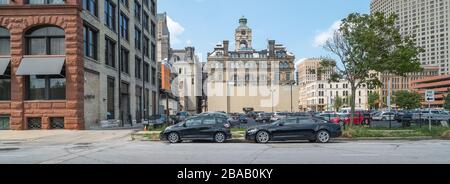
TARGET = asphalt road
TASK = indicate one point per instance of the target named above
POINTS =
(117, 148)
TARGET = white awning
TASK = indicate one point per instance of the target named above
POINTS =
(4, 62)
(41, 66)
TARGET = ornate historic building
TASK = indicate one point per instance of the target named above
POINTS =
(241, 78)
(76, 63)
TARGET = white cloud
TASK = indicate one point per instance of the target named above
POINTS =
(176, 29)
(324, 36)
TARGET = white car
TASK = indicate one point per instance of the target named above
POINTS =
(384, 116)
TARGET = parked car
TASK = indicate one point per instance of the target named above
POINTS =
(333, 117)
(263, 117)
(157, 120)
(204, 127)
(358, 118)
(384, 116)
(301, 114)
(294, 128)
(278, 116)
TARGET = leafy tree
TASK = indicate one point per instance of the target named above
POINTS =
(373, 100)
(338, 103)
(407, 100)
(447, 101)
(367, 45)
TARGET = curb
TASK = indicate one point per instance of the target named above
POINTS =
(239, 139)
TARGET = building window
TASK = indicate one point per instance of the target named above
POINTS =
(153, 50)
(153, 76)
(145, 47)
(45, 41)
(91, 6)
(34, 123)
(153, 30)
(5, 43)
(4, 123)
(57, 123)
(125, 2)
(46, 1)
(145, 21)
(5, 85)
(46, 87)
(137, 67)
(110, 15)
(146, 72)
(110, 52)
(110, 97)
(137, 38)
(137, 10)
(125, 61)
(124, 26)
(3, 2)
(153, 8)
(90, 42)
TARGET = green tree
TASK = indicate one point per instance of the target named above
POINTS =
(407, 100)
(447, 101)
(367, 45)
(338, 103)
(373, 100)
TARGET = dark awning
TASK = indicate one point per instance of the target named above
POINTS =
(41, 66)
(4, 62)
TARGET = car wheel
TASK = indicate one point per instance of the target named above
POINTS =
(173, 137)
(323, 136)
(383, 119)
(262, 137)
(219, 137)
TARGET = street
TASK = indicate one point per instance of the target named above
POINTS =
(116, 147)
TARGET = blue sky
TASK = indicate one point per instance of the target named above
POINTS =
(301, 25)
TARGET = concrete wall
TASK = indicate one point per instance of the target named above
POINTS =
(244, 97)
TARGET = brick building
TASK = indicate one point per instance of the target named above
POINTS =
(58, 64)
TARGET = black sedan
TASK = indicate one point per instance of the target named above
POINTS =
(203, 127)
(295, 128)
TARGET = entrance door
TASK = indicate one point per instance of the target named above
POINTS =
(125, 105)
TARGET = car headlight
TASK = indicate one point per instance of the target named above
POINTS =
(251, 131)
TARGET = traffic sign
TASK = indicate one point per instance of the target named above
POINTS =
(429, 96)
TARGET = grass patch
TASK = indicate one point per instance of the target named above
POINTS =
(359, 132)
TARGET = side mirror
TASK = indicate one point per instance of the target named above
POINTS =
(184, 125)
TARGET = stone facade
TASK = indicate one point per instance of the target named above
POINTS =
(86, 99)
(18, 19)
(253, 74)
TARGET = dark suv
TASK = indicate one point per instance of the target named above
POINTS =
(204, 127)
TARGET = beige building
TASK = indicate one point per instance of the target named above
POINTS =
(308, 71)
(247, 78)
(320, 95)
(427, 22)
(188, 84)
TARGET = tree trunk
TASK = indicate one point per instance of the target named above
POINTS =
(352, 105)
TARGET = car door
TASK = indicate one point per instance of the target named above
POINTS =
(191, 128)
(285, 129)
(207, 128)
(306, 128)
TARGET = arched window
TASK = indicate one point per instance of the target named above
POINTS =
(4, 42)
(243, 44)
(45, 41)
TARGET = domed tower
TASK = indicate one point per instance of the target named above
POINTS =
(243, 36)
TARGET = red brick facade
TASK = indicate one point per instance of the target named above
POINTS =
(19, 18)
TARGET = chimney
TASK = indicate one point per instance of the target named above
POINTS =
(271, 48)
(226, 44)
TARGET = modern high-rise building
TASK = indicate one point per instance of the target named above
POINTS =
(427, 21)
(76, 64)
